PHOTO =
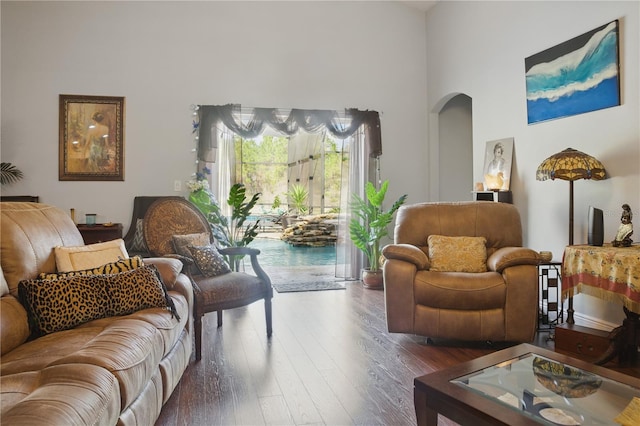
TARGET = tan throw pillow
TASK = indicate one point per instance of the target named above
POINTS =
(457, 254)
(89, 256)
(181, 242)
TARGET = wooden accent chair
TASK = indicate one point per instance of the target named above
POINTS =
(140, 206)
(168, 217)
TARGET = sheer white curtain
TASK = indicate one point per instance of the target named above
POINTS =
(226, 160)
(355, 172)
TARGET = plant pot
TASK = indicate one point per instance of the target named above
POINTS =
(372, 279)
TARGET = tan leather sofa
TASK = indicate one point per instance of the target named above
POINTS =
(497, 305)
(114, 370)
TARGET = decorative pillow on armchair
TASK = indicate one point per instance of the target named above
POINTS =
(209, 261)
(180, 243)
(457, 254)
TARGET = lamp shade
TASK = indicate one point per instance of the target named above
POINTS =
(570, 164)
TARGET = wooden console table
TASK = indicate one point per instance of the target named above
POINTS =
(612, 274)
(100, 232)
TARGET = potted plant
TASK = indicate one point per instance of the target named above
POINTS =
(9, 173)
(298, 195)
(232, 231)
(369, 226)
(298, 199)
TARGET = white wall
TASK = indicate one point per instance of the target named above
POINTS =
(165, 56)
(478, 48)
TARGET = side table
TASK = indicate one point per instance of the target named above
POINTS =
(100, 232)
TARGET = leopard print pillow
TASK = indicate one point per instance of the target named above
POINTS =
(61, 304)
(66, 302)
(109, 268)
(140, 288)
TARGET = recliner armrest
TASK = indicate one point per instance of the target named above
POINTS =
(407, 253)
(506, 257)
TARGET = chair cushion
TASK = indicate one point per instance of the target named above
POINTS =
(209, 261)
(457, 254)
(229, 288)
(460, 290)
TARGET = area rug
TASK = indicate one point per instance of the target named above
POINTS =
(288, 279)
(289, 287)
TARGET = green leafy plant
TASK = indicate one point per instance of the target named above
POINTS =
(298, 195)
(235, 231)
(370, 221)
(276, 203)
(9, 173)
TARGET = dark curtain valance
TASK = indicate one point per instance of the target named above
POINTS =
(311, 121)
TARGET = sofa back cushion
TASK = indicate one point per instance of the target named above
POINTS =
(499, 223)
(29, 232)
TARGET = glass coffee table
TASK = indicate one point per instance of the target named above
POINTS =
(527, 385)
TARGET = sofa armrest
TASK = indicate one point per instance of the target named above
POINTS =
(168, 267)
(407, 253)
(506, 257)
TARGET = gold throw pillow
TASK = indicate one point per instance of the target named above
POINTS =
(457, 254)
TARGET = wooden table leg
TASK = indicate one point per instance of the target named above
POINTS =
(425, 415)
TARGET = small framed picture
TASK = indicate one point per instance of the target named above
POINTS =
(91, 138)
(497, 164)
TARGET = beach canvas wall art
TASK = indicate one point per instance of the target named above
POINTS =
(574, 77)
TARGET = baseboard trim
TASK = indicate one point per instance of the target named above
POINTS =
(592, 322)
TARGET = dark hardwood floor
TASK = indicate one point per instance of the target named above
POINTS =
(330, 361)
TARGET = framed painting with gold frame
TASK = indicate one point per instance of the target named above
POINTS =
(91, 138)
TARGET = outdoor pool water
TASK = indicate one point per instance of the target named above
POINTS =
(275, 252)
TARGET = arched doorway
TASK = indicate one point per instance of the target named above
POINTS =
(454, 151)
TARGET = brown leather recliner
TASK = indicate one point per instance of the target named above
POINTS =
(497, 305)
